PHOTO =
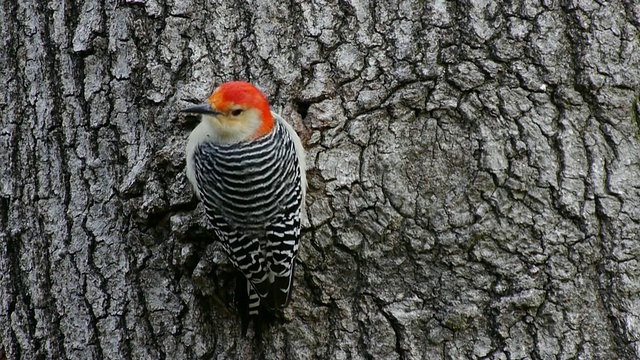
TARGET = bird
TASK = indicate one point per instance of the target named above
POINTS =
(246, 165)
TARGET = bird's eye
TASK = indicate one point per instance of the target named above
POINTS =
(236, 112)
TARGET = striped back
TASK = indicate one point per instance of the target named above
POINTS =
(250, 183)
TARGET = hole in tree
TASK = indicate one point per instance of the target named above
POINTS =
(303, 108)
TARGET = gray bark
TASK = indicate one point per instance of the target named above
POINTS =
(473, 166)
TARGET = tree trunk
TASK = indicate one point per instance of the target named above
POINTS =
(473, 166)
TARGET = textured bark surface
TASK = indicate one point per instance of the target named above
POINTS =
(474, 178)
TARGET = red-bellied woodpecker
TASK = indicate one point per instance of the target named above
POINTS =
(247, 165)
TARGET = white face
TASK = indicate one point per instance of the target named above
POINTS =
(236, 125)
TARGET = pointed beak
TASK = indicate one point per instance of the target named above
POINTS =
(201, 109)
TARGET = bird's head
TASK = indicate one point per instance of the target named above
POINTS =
(237, 111)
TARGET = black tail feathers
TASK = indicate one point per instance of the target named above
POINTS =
(261, 316)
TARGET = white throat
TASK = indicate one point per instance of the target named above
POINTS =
(224, 129)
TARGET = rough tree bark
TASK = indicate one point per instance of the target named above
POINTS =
(474, 178)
